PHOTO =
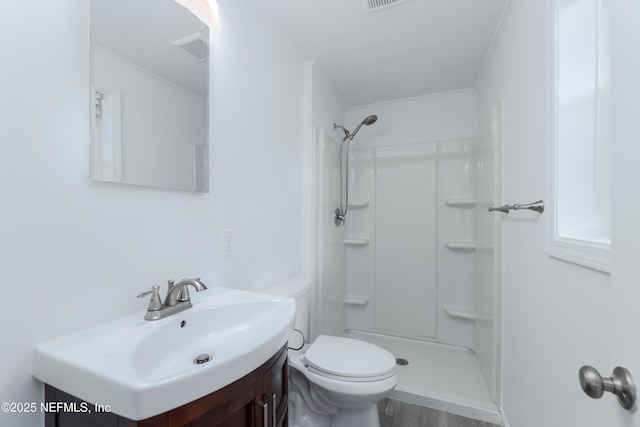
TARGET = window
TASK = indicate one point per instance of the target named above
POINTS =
(579, 140)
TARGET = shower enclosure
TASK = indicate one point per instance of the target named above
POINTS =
(413, 268)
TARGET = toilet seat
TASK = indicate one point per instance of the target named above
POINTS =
(346, 359)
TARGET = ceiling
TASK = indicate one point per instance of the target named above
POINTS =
(412, 48)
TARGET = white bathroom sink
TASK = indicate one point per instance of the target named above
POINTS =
(142, 368)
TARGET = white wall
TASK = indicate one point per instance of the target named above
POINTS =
(257, 153)
(74, 253)
(554, 313)
(327, 106)
(438, 117)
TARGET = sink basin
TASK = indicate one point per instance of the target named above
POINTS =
(143, 368)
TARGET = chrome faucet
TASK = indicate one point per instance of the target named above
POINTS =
(180, 293)
(177, 298)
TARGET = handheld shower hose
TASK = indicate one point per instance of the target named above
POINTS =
(341, 211)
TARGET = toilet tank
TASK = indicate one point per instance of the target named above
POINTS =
(298, 289)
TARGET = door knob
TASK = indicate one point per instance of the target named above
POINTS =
(621, 384)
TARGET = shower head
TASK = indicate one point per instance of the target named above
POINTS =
(367, 121)
(370, 120)
(349, 135)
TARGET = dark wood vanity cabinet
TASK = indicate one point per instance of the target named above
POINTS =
(259, 399)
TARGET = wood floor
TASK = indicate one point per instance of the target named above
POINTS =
(394, 413)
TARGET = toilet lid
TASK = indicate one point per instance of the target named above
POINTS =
(349, 359)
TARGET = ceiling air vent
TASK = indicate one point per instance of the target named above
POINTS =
(373, 5)
(194, 46)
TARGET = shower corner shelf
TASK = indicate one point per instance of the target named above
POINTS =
(460, 245)
(356, 300)
(460, 203)
(460, 312)
(358, 204)
(356, 242)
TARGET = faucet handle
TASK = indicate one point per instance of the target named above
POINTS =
(170, 284)
(155, 303)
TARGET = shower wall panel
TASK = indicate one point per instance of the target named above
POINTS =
(439, 130)
(406, 231)
(409, 242)
(456, 243)
(360, 259)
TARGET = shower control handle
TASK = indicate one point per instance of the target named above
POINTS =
(339, 219)
(503, 209)
(621, 384)
(535, 206)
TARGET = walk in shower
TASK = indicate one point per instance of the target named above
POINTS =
(412, 268)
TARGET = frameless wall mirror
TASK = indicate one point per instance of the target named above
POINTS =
(149, 90)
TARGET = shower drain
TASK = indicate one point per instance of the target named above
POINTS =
(402, 362)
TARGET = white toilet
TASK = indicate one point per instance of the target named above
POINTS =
(335, 381)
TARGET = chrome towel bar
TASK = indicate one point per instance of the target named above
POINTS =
(535, 206)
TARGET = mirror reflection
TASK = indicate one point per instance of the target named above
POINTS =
(149, 86)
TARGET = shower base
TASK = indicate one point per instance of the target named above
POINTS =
(438, 376)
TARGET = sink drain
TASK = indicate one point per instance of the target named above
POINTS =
(402, 362)
(203, 358)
